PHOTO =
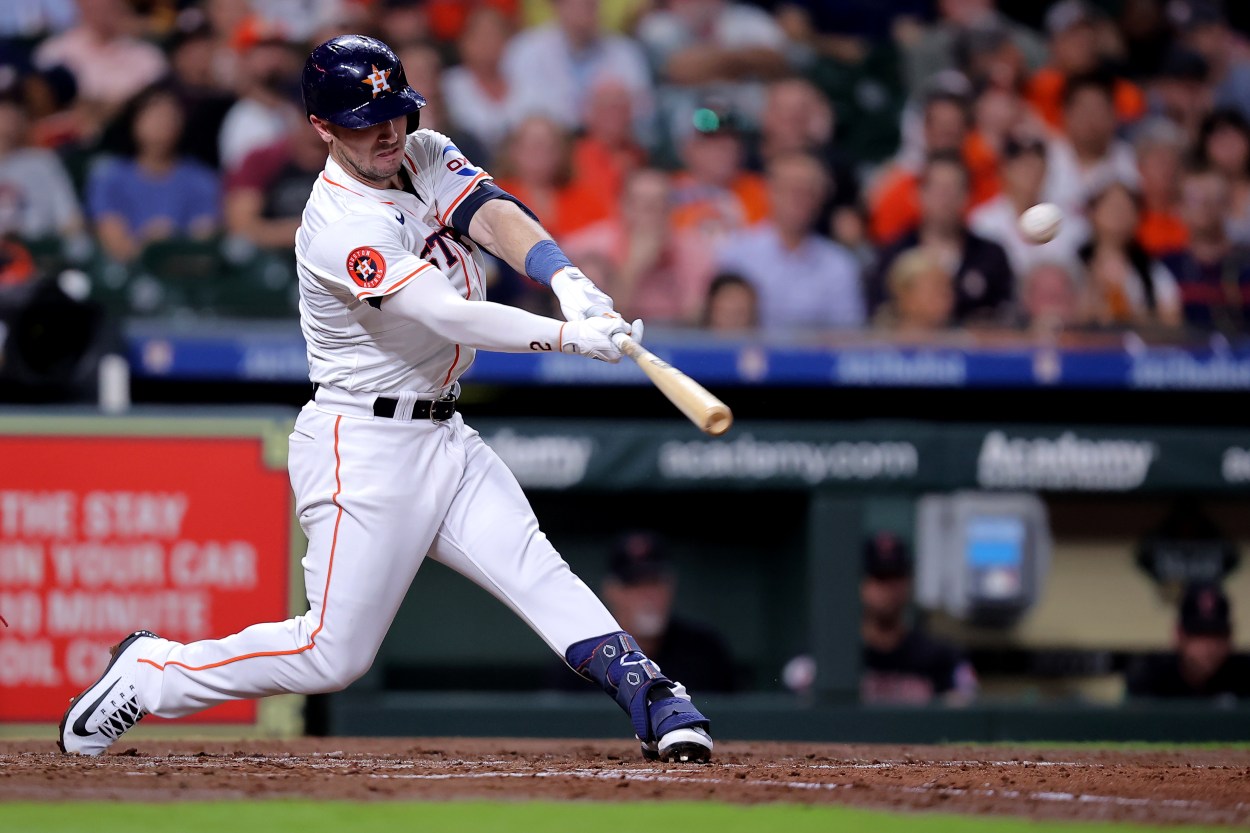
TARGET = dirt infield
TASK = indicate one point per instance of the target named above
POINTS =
(1205, 786)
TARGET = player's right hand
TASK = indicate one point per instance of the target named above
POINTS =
(593, 337)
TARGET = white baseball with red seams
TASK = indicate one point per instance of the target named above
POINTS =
(374, 495)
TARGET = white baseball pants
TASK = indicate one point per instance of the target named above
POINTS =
(374, 497)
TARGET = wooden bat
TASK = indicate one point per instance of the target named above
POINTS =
(706, 411)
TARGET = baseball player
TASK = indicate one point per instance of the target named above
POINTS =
(384, 470)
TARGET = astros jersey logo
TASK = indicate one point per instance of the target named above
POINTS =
(377, 79)
(366, 267)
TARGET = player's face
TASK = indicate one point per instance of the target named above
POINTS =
(1202, 656)
(371, 154)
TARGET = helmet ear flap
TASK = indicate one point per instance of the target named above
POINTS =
(414, 121)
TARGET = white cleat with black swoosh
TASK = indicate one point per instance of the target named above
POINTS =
(98, 717)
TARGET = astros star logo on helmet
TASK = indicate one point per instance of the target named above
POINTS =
(378, 80)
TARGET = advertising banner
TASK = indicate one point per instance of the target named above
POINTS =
(185, 536)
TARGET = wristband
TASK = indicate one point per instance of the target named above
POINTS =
(544, 260)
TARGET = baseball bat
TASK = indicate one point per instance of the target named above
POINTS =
(702, 408)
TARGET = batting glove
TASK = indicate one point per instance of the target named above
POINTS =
(577, 294)
(593, 337)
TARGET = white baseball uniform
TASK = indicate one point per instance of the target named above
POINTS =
(375, 495)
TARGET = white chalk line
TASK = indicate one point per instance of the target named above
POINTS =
(632, 775)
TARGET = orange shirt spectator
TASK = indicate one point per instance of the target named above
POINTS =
(608, 153)
(1045, 94)
(1162, 233)
(536, 168)
(447, 18)
(714, 193)
(894, 205)
(562, 210)
(744, 203)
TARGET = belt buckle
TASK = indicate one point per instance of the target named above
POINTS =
(434, 402)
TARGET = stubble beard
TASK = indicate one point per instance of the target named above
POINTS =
(370, 173)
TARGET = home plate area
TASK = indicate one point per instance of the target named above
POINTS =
(1170, 787)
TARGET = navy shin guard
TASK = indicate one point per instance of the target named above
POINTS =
(621, 669)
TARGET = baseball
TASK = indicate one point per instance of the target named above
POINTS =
(1041, 223)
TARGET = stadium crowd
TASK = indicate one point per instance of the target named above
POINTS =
(734, 166)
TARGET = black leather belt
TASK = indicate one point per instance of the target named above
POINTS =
(437, 410)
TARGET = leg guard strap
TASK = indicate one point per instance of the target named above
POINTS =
(621, 669)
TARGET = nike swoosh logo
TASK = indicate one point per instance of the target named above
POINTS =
(400, 217)
(80, 725)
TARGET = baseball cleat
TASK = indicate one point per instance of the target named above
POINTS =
(98, 717)
(680, 746)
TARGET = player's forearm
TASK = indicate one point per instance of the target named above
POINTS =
(479, 324)
(507, 232)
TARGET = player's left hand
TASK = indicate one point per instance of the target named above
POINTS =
(577, 294)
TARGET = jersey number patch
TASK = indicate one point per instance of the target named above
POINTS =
(366, 267)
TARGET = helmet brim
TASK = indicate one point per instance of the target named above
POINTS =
(379, 110)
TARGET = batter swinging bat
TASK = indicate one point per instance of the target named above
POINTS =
(706, 411)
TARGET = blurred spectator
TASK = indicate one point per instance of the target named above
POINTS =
(476, 91)
(109, 65)
(1160, 148)
(732, 305)
(204, 100)
(798, 119)
(37, 199)
(804, 279)
(29, 19)
(1146, 35)
(1224, 144)
(268, 107)
(1124, 285)
(552, 68)
(998, 111)
(639, 590)
(403, 21)
(614, 15)
(423, 64)
(945, 44)
(1088, 153)
(1203, 664)
(714, 194)
(48, 97)
(232, 25)
(1073, 27)
(1179, 92)
(651, 269)
(151, 192)
(536, 167)
(298, 21)
(1214, 273)
(17, 266)
(607, 153)
(266, 194)
(982, 274)
(920, 298)
(1204, 29)
(858, 69)
(712, 48)
(843, 24)
(902, 665)
(1050, 301)
(1023, 171)
(894, 200)
(448, 19)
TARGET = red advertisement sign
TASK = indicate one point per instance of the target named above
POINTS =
(102, 536)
